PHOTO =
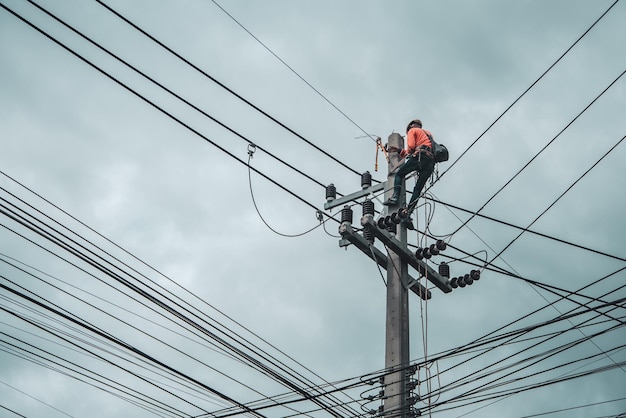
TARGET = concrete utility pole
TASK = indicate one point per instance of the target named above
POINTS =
(397, 324)
(397, 399)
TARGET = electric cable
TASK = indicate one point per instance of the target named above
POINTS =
(532, 85)
(561, 195)
(153, 104)
(143, 263)
(544, 148)
(36, 399)
(261, 216)
(195, 325)
(527, 230)
(292, 70)
(140, 331)
(169, 91)
(573, 408)
(238, 96)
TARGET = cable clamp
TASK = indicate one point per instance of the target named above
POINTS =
(251, 149)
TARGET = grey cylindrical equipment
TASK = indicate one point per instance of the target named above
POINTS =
(331, 192)
(366, 180)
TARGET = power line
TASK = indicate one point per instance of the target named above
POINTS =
(238, 96)
(561, 195)
(544, 148)
(532, 85)
(292, 70)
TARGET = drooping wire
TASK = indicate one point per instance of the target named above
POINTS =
(256, 208)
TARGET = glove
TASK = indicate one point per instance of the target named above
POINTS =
(403, 153)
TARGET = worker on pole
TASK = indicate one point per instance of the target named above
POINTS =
(419, 157)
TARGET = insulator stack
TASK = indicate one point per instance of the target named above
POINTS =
(331, 193)
(464, 280)
(368, 234)
(366, 180)
(444, 269)
(368, 207)
(346, 214)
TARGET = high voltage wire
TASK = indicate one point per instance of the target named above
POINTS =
(154, 105)
(169, 91)
(137, 329)
(293, 71)
(562, 194)
(134, 92)
(529, 231)
(532, 85)
(616, 2)
(159, 303)
(544, 148)
(127, 252)
(205, 74)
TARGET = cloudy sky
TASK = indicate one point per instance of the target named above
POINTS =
(147, 270)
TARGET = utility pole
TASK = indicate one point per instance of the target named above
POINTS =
(397, 323)
(398, 397)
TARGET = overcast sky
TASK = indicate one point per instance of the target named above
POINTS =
(137, 174)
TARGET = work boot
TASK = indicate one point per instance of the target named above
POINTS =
(393, 200)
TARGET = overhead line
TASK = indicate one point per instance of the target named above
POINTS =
(177, 96)
(531, 86)
(151, 103)
(223, 86)
(293, 71)
(543, 149)
(530, 231)
(560, 196)
(157, 107)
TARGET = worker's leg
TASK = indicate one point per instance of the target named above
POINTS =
(423, 173)
(410, 165)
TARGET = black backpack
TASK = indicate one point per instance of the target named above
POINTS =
(440, 152)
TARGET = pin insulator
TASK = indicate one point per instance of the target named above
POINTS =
(366, 180)
(331, 192)
(441, 245)
(475, 274)
(368, 207)
(395, 218)
(444, 269)
(389, 222)
(381, 223)
(433, 249)
(453, 282)
(418, 254)
(368, 234)
(426, 253)
(460, 281)
(346, 214)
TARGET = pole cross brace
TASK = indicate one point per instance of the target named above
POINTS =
(349, 236)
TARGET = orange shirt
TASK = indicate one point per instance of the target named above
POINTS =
(415, 138)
